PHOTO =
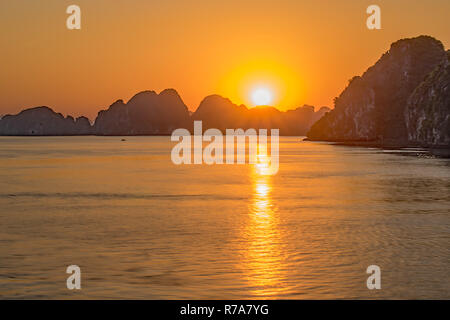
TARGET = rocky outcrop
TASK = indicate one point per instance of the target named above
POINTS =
(147, 113)
(219, 112)
(43, 121)
(428, 111)
(373, 106)
(300, 120)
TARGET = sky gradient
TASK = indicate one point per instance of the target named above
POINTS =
(305, 51)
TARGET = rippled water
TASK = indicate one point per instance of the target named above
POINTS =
(140, 227)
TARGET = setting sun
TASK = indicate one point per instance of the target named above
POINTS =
(262, 96)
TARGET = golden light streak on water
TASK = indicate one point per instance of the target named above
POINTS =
(263, 259)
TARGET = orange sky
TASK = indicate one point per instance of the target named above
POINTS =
(304, 50)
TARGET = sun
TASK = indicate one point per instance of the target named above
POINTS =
(261, 96)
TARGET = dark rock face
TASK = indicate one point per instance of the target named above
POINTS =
(146, 113)
(428, 110)
(300, 120)
(372, 107)
(220, 113)
(43, 121)
(83, 126)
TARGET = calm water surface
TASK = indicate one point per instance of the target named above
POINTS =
(141, 227)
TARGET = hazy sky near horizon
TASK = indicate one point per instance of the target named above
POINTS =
(305, 51)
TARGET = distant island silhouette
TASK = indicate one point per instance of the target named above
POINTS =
(150, 113)
(402, 100)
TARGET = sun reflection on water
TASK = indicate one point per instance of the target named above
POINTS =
(262, 165)
(264, 255)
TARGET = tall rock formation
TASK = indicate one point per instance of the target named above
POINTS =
(373, 106)
(146, 113)
(218, 112)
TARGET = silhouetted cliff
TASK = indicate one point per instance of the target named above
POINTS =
(43, 121)
(146, 113)
(373, 106)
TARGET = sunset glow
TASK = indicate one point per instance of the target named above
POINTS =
(304, 51)
(262, 96)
